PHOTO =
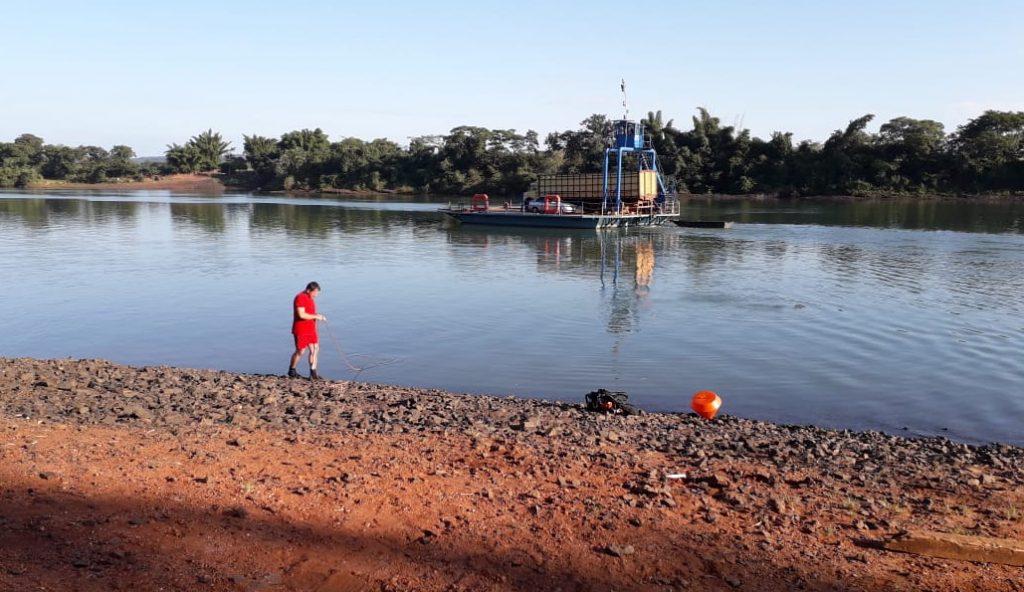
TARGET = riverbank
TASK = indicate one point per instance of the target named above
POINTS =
(216, 184)
(186, 183)
(114, 477)
(878, 197)
(201, 184)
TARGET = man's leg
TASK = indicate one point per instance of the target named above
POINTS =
(296, 357)
(314, 355)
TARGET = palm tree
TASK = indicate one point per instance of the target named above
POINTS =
(211, 148)
(184, 159)
(258, 147)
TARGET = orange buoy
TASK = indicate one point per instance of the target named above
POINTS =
(706, 403)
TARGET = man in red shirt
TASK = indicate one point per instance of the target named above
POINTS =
(304, 320)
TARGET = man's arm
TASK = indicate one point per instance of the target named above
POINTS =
(308, 317)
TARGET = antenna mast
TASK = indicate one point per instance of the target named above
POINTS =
(622, 86)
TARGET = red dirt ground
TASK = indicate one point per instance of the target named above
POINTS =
(221, 508)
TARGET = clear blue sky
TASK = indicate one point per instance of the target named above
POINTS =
(148, 74)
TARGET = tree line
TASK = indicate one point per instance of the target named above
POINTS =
(905, 156)
(28, 160)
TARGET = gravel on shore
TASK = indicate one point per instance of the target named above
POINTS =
(102, 393)
(115, 477)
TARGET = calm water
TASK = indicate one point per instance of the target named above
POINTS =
(899, 316)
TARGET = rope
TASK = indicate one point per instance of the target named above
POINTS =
(348, 360)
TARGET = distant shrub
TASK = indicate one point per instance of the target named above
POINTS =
(28, 177)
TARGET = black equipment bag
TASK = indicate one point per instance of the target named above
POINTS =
(605, 401)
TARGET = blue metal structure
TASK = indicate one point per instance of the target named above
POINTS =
(629, 138)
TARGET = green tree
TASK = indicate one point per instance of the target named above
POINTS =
(60, 162)
(17, 176)
(420, 164)
(663, 138)
(184, 159)
(120, 162)
(912, 152)
(582, 150)
(302, 158)
(261, 153)
(25, 151)
(712, 158)
(31, 147)
(989, 152)
(211, 149)
(94, 163)
(847, 157)
(772, 164)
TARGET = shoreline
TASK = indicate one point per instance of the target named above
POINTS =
(910, 197)
(180, 182)
(212, 184)
(197, 183)
(308, 485)
(503, 406)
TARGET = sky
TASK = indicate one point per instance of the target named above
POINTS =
(148, 74)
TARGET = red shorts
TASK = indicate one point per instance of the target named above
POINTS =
(305, 340)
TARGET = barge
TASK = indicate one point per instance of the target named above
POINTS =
(630, 191)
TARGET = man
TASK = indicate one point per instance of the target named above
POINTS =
(304, 320)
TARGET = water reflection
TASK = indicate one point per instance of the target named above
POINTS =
(627, 276)
(41, 212)
(319, 221)
(313, 221)
(710, 252)
(621, 264)
(208, 216)
(31, 212)
(588, 254)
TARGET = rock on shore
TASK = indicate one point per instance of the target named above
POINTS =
(103, 393)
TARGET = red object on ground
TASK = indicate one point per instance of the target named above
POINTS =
(706, 403)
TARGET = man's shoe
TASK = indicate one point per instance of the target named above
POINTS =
(293, 373)
(314, 376)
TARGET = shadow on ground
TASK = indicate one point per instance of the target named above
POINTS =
(60, 541)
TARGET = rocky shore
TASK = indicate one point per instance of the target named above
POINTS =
(165, 478)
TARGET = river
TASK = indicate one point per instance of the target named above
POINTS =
(902, 316)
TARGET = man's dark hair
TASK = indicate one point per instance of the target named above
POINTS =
(312, 286)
